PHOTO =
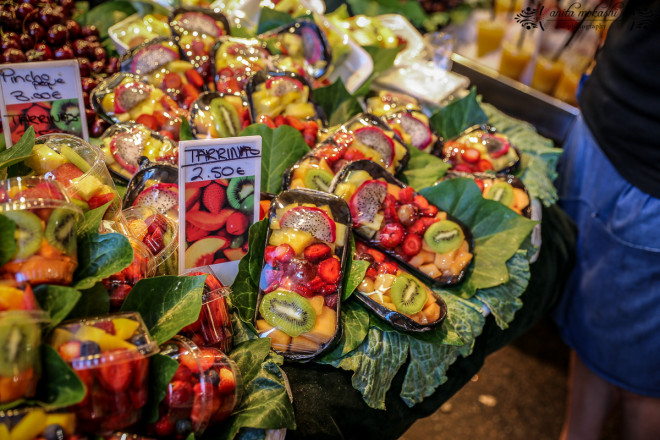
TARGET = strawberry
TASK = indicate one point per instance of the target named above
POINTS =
(139, 396)
(316, 284)
(343, 139)
(330, 153)
(378, 255)
(164, 427)
(155, 242)
(227, 381)
(140, 372)
(156, 221)
(480, 184)
(431, 211)
(115, 376)
(485, 165)
(179, 394)
(412, 244)
(107, 326)
(353, 154)
(331, 300)
(194, 78)
(417, 227)
(69, 350)
(463, 167)
(389, 208)
(271, 287)
(317, 252)
(330, 270)
(214, 198)
(284, 253)
(421, 202)
(29, 301)
(148, 121)
(280, 120)
(391, 235)
(302, 290)
(193, 233)
(471, 155)
(428, 222)
(406, 195)
(371, 273)
(265, 119)
(269, 254)
(183, 374)
(387, 267)
(65, 173)
(328, 289)
(100, 200)
(206, 358)
(295, 123)
(160, 117)
(171, 80)
(272, 275)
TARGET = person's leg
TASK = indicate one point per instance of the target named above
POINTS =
(641, 417)
(590, 400)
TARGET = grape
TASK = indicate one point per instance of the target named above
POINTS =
(407, 214)
(57, 35)
(300, 271)
(13, 55)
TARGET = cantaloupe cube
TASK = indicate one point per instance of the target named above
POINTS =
(431, 270)
(317, 302)
(278, 339)
(432, 312)
(394, 190)
(61, 336)
(325, 326)
(301, 344)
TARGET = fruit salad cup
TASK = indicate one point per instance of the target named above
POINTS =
(155, 185)
(110, 354)
(158, 63)
(34, 423)
(390, 216)
(504, 188)
(235, 60)
(413, 127)
(124, 144)
(125, 97)
(217, 115)
(45, 223)
(300, 286)
(395, 295)
(79, 167)
(158, 233)
(386, 102)
(205, 389)
(213, 326)
(481, 148)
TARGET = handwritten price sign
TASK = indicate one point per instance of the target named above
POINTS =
(46, 95)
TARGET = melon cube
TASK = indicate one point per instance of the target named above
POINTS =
(301, 344)
(317, 302)
(86, 186)
(278, 339)
(325, 326)
(298, 240)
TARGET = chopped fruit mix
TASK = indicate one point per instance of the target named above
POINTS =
(158, 233)
(413, 127)
(302, 49)
(216, 115)
(301, 278)
(480, 150)
(79, 167)
(205, 389)
(508, 190)
(110, 354)
(141, 29)
(44, 235)
(308, 129)
(404, 224)
(124, 97)
(366, 31)
(20, 337)
(213, 327)
(120, 284)
(164, 197)
(236, 60)
(34, 423)
(386, 102)
(390, 286)
(124, 144)
(218, 216)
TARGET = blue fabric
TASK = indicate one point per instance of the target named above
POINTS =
(610, 313)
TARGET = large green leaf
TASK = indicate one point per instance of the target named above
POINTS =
(280, 148)
(167, 304)
(460, 114)
(58, 301)
(7, 242)
(161, 371)
(92, 220)
(249, 356)
(20, 151)
(59, 386)
(423, 169)
(466, 318)
(354, 276)
(337, 103)
(246, 286)
(94, 301)
(355, 325)
(383, 59)
(99, 256)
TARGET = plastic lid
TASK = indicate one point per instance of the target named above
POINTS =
(135, 220)
(32, 193)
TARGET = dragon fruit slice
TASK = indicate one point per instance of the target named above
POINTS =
(127, 147)
(374, 137)
(151, 58)
(162, 196)
(199, 22)
(419, 132)
(282, 85)
(312, 220)
(129, 95)
(367, 200)
(496, 145)
(312, 47)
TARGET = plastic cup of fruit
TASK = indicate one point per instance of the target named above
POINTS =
(79, 166)
(205, 389)
(158, 233)
(110, 354)
(45, 222)
(37, 423)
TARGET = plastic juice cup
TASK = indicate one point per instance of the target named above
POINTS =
(513, 61)
(567, 85)
(489, 36)
(110, 354)
(32, 423)
(508, 6)
(546, 74)
(205, 389)
(45, 222)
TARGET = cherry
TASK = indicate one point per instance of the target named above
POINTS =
(13, 55)
(90, 30)
(92, 39)
(64, 53)
(98, 66)
(26, 42)
(48, 16)
(113, 65)
(36, 55)
(81, 48)
(85, 66)
(9, 21)
(73, 28)
(36, 31)
(88, 84)
(45, 49)
(86, 99)
(99, 126)
(68, 5)
(90, 114)
(31, 2)
(100, 54)
(9, 42)
(57, 35)
(23, 10)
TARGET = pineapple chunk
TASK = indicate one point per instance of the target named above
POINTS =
(61, 336)
(124, 328)
(304, 110)
(340, 234)
(179, 66)
(66, 420)
(345, 190)
(44, 159)
(325, 326)
(108, 103)
(359, 176)
(105, 340)
(278, 339)
(298, 240)
(87, 186)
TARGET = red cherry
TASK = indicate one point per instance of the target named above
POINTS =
(98, 127)
(23, 10)
(26, 42)
(100, 54)
(48, 16)
(9, 43)
(85, 66)
(88, 84)
(64, 53)
(90, 30)
(13, 55)
(57, 35)
(36, 31)
(73, 28)
(98, 66)
(43, 47)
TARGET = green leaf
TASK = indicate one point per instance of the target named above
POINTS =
(249, 356)
(444, 334)
(383, 60)
(460, 114)
(358, 268)
(92, 220)
(246, 286)
(280, 148)
(466, 318)
(185, 131)
(337, 103)
(167, 304)
(241, 32)
(59, 385)
(161, 372)
(100, 256)
(106, 14)
(423, 169)
(271, 19)
(412, 10)
(58, 301)
(498, 231)
(20, 151)
(355, 325)
(94, 301)
(7, 242)
(242, 331)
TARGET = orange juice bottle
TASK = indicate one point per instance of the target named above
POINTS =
(546, 74)
(567, 85)
(489, 36)
(514, 60)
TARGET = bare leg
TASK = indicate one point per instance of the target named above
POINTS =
(590, 399)
(641, 417)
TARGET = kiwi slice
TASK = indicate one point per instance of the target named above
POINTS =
(21, 339)
(318, 179)
(289, 312)
(408, 294)
(60, 230)
(227, 122)
(28, 233)
(501, 192)
(74, 158)
(444, 236)
(240, 193)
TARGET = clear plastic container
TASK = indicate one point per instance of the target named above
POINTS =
(208, 118)
(34, 423)
(45, 231)
(205, 389)
(110, 354)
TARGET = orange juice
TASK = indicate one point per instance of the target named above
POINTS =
(546, 74)
(489, 36)
(513, 60)
(567, 86)
(507, 5)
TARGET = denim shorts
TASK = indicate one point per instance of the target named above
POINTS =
(610, 312)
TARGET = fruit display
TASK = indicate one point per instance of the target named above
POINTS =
(155, 185)
(235, 60)
(135, 30)
(158, 233)
(45, 222)
(506, 189)
(79, 167)
(481, 148)
(158, 63)
(366, 31)
(396, 295)
(392, 217)
(110, 354)
(205, 389)
(213, 327)
(217, 115)
(218, 215)
(124, 144)
(363, 137)
(300, 285)
(125, 97)
(414, 128)
(385, 102)
(33, 423)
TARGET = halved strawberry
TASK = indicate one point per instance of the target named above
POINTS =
(328, 289)
(179, 394)
(148, 121)
(371, 273)
(343, 139)
(140, 372)
(316, 284)
(391, 235)
(412, 244)
(100, 200)
(155, 242)
(330, 270)
(115, 376)
(283, 253)
(406, 195)
(378, 255)
(387, 267)
(302, 290)
(269, 254)
(182, 373)
(317, 252)
(156, 221)
(471, 155)
(65, 173)
(69, 350)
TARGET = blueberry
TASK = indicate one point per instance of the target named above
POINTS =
(213, 377)
(89, 348)
(182, 427)
(54, 432)
(138, 340)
